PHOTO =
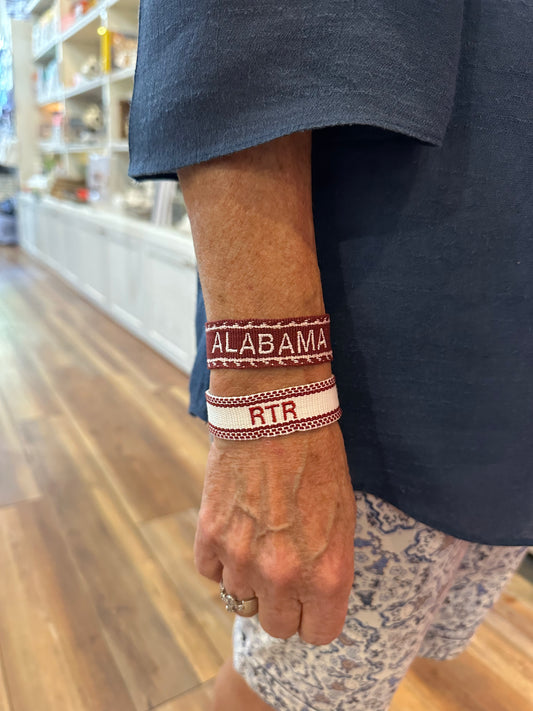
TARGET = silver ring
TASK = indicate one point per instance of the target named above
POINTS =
(244, 608)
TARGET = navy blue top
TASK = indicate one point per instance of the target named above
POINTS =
(422, 161)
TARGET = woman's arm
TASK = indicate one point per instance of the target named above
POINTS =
(277, 514)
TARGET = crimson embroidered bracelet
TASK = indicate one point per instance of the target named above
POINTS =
(272, 413)
(268, 343)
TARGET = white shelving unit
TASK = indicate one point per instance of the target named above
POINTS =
(141, 273)
(61, 47)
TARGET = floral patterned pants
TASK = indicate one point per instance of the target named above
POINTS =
(416, 591)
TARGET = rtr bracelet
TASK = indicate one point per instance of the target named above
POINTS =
(273, 413)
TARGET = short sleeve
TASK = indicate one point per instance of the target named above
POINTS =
(218, 76)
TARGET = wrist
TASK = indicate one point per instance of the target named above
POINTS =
(229, 382)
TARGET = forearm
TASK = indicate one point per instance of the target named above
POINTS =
(252, 223)
(277, 517)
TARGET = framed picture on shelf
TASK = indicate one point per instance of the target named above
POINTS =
(124, 117)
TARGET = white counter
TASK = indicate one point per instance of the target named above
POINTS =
(142, 275)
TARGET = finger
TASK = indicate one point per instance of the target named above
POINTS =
(206, 558)
(279, 615)
(323, 618)
(236, 584)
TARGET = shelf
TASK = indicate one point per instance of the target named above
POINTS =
(93, 14)
(52, 99)
(85, 147)
(117, 75)
(48, 147)
(47, 52)
(120, 74)
(71, 46)
(37, 7)
(119, 145)
(86, 87)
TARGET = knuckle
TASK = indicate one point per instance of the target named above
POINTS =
(280, 574)
(334, 581)
(240, 556)
(205, 570)
(329, 586)
(207, 531)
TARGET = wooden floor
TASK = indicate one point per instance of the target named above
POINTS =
(100, 480)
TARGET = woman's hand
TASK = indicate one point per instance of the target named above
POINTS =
(277, 521)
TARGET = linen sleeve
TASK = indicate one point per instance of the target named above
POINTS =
(218, 76)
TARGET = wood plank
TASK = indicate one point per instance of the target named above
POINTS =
(412, 696)
(506, 662)
(466, 682)
(147, 627)
(17, 393)
(146, 470)
(4, 695)
(199, 699)
(521, 589)
(171, 538)
(108, 404)
(16, 479)
(509, 627)
(54, 652)
(186, 436)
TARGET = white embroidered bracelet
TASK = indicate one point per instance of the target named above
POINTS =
(277, 412)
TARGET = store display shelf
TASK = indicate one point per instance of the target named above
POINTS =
(120, 74)
(55, 98)
(48, 147)
(119, 145)
(82, 22)
(84, 147)
(86, 87)
(37, 7)
(47, 51)
(86, 19)
(83, 115)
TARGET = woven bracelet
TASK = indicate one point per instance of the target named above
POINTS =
(268, 343)
(273, 413)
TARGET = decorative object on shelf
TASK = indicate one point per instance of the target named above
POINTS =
(90, 69)
(98, 170)
(105, 48)
(76, 10)
(66, 188)
(139, 198)
(124, 113)
(82, 194)
(38, 184)
(45, 29)
(48, 83)
(51, 121)
(57, 123)
(80, 7)
(93, 117)
(123, 50)
(87, 125)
